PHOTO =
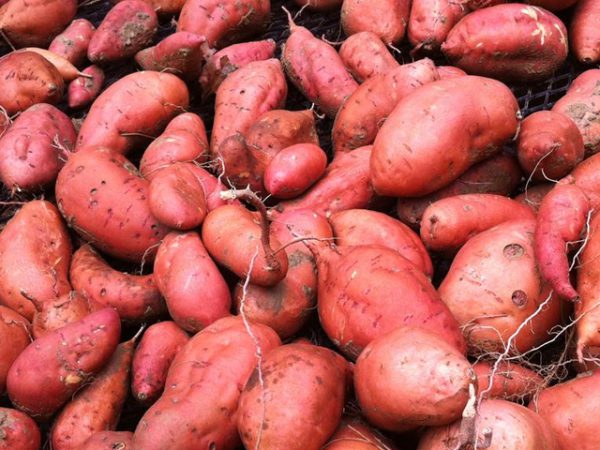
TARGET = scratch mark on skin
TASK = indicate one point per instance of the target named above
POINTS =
(540, 29)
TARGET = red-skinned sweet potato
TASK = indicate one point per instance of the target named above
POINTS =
(430, 21)
(152, 358)
(67, 70)
(510, 381)
(354, 434)
(139, 103)
(35, 148)
(52, 368)
(224, 22)
(18, 431)
(195, 291)
(35, 252)
(163, 7)
(109, 440)
(103, 198)
(15, 337)
(73, 42)
(365, 55)
(310, 388)
(533, 195)
(127, 28)
(474, 116)
(199, 406)
(387, 18)
(84, 90)
(585, 31)
(411, 377)
(525, 44)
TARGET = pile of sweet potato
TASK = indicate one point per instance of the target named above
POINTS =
(217, 235)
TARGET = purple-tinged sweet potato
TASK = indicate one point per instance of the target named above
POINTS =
(15, 337)
(473, 118)
(365, 55)
(35, 252)
(108, 440)
(28, 79)
(224, 22)
(18, 431)
(525, 43)
(430, 21)
(139, 104)
(365, 111)
(316, 69)
(509, 381)
(126, 29)
(199, 407)
(34, 23)
(52, 368)
(194, 289)
(84, 90)
(152, 358)
(585, 31)
(35, 148)
(135, 297)
(220, 64)
(73, 42)
(386, 18)
(104, 199)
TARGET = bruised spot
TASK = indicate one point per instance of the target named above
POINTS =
(513, 251)
(519, 298)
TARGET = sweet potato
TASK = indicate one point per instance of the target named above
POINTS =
(287, 306)
(309, 392)
(73, 42)
(15, 336)
(195, 291)
(199, 406)
(109, 440)
(354, 434)
(135, 297)
(224, 22)
(446, 72)
(320, 5)
(582, 106)
(18, 431)
(67, 70)
(364, 227)
(362, 295)
(35, 148)
(569, 409)
(34, 23)
(97, 407)
(509, 382)
(152, 358)
(499, 174)
(316, 69)
(387, 18)
(473, 117)
(499, 425)
(294, 169)
(365, 55)
(84, 90)
(28, 79)
(525, 44)
(491, 304)
(450, 222)
(104, 199)
(430, 21)
(126, 29)
(533, 195)
(35, 252)
(52, 368)
(184, 139)
(584, 32)
(139, 103)
(220, 64)
(365, 111)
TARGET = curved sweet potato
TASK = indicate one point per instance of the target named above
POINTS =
(386, 18)
(84, 90)
(584, 32)
(510, 381)
(365, 55)
(18, 430)
(430, 21)
(109, 440)
(15, 337)
(73, 42)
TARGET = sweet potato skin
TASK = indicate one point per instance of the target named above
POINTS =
(84, 90)
(109, 440)
(585, 37)
(73, 42)
(386, 18)
(510, 382)
(49, 371)
(35, 252)
(18, 430)
(15, 336)
(404, 149)
(354, 434)
(365, 55)
(430, 21)
(533, 195)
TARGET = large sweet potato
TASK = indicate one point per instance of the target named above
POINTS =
(15, 337)
(386, 18)
(585, 31)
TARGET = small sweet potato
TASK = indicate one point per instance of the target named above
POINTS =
(585, 31)
(52, 368)
(152, 358)
(109, 440)
(73, 42)
(509, 381)
(224, 22)
(28, 79)
(141, 103)
(365, 55)
(15, 337)
(127, 28)
(18, 431)
(35, 148)
(385, 18)
(84, 89)
(430, 21)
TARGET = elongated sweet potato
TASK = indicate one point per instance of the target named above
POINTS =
(18, 430)
(152, 358)
(224, 22)
(585, 31)
(195, 291)
(109, 440)
(67, 70)
(525, 44)
(474, 116)
(73, 42)
(139, 103)
(430, 21)
(509, 381)
(103, 198)
(35, 252)
(84, 90)
(365, 55)
(387, 18)
(35, 148)
(51, 369)
(15, 336)
(199, 406)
